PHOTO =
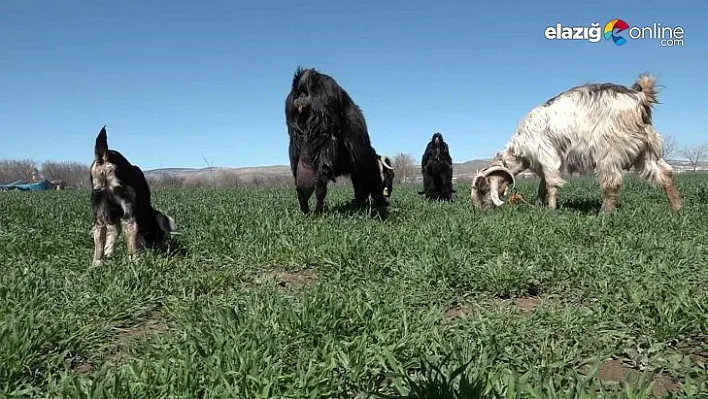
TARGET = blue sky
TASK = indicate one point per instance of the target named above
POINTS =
(183, 83)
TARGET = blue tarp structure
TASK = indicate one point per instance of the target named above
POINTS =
(41, 185)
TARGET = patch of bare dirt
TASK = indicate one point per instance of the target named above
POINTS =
(699, 358)
(527, 304)
(287, 279)
(152, 323)
(696, 348)
(615, 371)
(457, 312)
(663, 385)
(82, 367)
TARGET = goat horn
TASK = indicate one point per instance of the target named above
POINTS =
(385, 163)
(494, 193)
(493, 169)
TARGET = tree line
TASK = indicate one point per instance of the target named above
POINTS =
(75, 175)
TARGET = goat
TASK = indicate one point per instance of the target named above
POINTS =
(606, 128)
(120, 193)
(436, 167)
(387, 174)
(328, 139)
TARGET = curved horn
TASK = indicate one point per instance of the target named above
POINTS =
(493, 169)
(494, 193)
(494, 183)
(385, 162)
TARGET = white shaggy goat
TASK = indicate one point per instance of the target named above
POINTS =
(606, 128)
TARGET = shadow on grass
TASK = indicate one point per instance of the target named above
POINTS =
(435, 197)
(172, 248)
(584, 205)
(702, 195)
(438, 199)
(352, 208)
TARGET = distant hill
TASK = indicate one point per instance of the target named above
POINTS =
(242, 173)
(460, 170)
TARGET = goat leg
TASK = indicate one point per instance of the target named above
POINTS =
(99, 239)
(130, 227)
(112, 232)
(320, 194)
(543, 191)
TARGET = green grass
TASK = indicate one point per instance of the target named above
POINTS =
(366, 309)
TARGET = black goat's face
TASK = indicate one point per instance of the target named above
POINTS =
(387, 175)
(300, 88)
(439, 145)
(301, 102)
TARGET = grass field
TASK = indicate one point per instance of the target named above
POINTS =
(265, 302)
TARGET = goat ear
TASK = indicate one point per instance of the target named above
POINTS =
(480, 182)
(101, 149)
(166, 223)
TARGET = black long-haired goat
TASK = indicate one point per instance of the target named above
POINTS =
(329, 138)
(437, 169)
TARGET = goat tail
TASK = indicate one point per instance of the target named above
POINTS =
(646, 86)
(655, 142)
(653, 167)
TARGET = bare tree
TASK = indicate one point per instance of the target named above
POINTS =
(212, 170)
(343, 181)
(403, 167)
(695, 155)
(227, 179)
(73, 174)
(257, 181)
(12, 170)
(195, 181)
(278, 181)
(164, 180)
(670, 146)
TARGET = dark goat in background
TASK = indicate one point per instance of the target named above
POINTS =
(328, 139)
(436, 167)
(121, 196)
(387, 175)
